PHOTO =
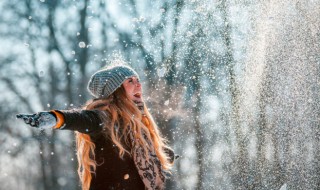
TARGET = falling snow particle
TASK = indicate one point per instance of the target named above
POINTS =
(166, 103)
(52, 153)
(284, 187)
(62, 181)
(189, 34)
(82, 44)
(41, 73)
(161, 72)
(142, 19)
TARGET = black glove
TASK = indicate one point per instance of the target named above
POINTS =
(39, 120)
(172, 156)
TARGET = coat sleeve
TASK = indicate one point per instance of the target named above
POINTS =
(83, 121)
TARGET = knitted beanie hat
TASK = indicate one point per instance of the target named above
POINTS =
(107, 80)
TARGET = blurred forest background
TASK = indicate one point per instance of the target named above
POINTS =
(234, 86)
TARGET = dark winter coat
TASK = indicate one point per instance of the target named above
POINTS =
(112, 172)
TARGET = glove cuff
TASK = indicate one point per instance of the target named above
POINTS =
(60, 119)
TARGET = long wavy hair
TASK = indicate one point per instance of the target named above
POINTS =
(118, 110)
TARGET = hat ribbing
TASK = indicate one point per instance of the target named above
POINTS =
(107, 80)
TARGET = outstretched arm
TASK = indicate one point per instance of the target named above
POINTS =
(84, 121)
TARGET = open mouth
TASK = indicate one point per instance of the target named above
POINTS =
(137, 95)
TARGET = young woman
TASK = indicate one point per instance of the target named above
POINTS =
(119, 145)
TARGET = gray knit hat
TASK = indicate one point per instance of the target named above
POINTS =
(107, 80)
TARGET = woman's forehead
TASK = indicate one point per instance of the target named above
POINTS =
(133, 77)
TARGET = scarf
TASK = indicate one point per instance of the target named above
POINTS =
(148, 164)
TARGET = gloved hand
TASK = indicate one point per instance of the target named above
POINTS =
(41, 120)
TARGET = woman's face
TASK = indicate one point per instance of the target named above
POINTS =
(133, 89)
